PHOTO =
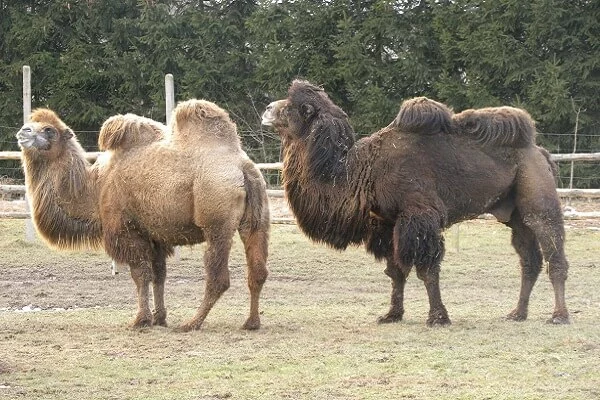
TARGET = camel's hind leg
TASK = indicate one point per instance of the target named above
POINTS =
(159, 274)
(528, 249)
(216, 270)
(539, 206)
(256, 248)
(548, 227)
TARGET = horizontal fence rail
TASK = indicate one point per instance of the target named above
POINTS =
(564, 193)
(93, 155)
(277, 193)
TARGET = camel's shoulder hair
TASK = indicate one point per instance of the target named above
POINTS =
(129, 131)
(500, 126)
(202, 120)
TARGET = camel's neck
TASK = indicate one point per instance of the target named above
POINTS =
(63, 194)
(327, 206)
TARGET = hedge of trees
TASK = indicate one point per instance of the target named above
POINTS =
(95, 58)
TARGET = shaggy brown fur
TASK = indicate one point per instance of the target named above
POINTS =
(398, 189)
(155, 188)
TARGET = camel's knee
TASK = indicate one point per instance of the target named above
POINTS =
(427, 273)
(140, 271)
(257, 274)
(397, 272)
(218, 284)
(558, 268)
(257, 266)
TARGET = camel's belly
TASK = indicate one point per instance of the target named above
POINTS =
(178, 235)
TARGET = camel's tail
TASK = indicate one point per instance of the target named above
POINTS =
(499, 126)
(257, 215)
(423, 116)
(553, 166)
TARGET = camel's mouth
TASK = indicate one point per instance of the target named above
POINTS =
(26, 143)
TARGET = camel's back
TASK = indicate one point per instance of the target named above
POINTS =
(445, 169)
(163, 188)
(491, 126)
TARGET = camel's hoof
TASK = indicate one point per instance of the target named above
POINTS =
(159, 318)
(516, 316)
(389, 318)
(559, 320)
(141, 323)
(162, 323)
(190, 326)
(438, 320)
(251, 324)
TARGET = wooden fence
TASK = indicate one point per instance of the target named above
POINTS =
(564, 193)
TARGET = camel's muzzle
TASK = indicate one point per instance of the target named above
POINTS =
(268, 116)
(27, 138)
(271, 116)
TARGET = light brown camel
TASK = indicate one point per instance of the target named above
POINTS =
(154, 188)
(398, 189)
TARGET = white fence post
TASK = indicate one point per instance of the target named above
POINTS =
(29, 229)
(169, 105)
(169, 96)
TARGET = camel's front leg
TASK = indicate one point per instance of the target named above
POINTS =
(418, 241)
(394, 271)
(141, 274)
(430, 275)
(217, 276)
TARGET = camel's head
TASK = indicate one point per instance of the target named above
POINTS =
(310, 118)
(45, 133)
(306, 107)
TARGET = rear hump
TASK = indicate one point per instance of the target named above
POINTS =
(497, 126)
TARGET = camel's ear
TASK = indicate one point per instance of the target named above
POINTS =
(329, 141)
(307, 110)
(68, 134)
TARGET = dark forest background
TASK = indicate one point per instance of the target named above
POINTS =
(96, 58)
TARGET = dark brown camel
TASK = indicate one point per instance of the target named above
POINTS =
(398, 189)
(154, 188)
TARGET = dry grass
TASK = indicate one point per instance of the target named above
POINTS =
(319, 338)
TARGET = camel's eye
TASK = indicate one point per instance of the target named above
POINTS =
(49, 132)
